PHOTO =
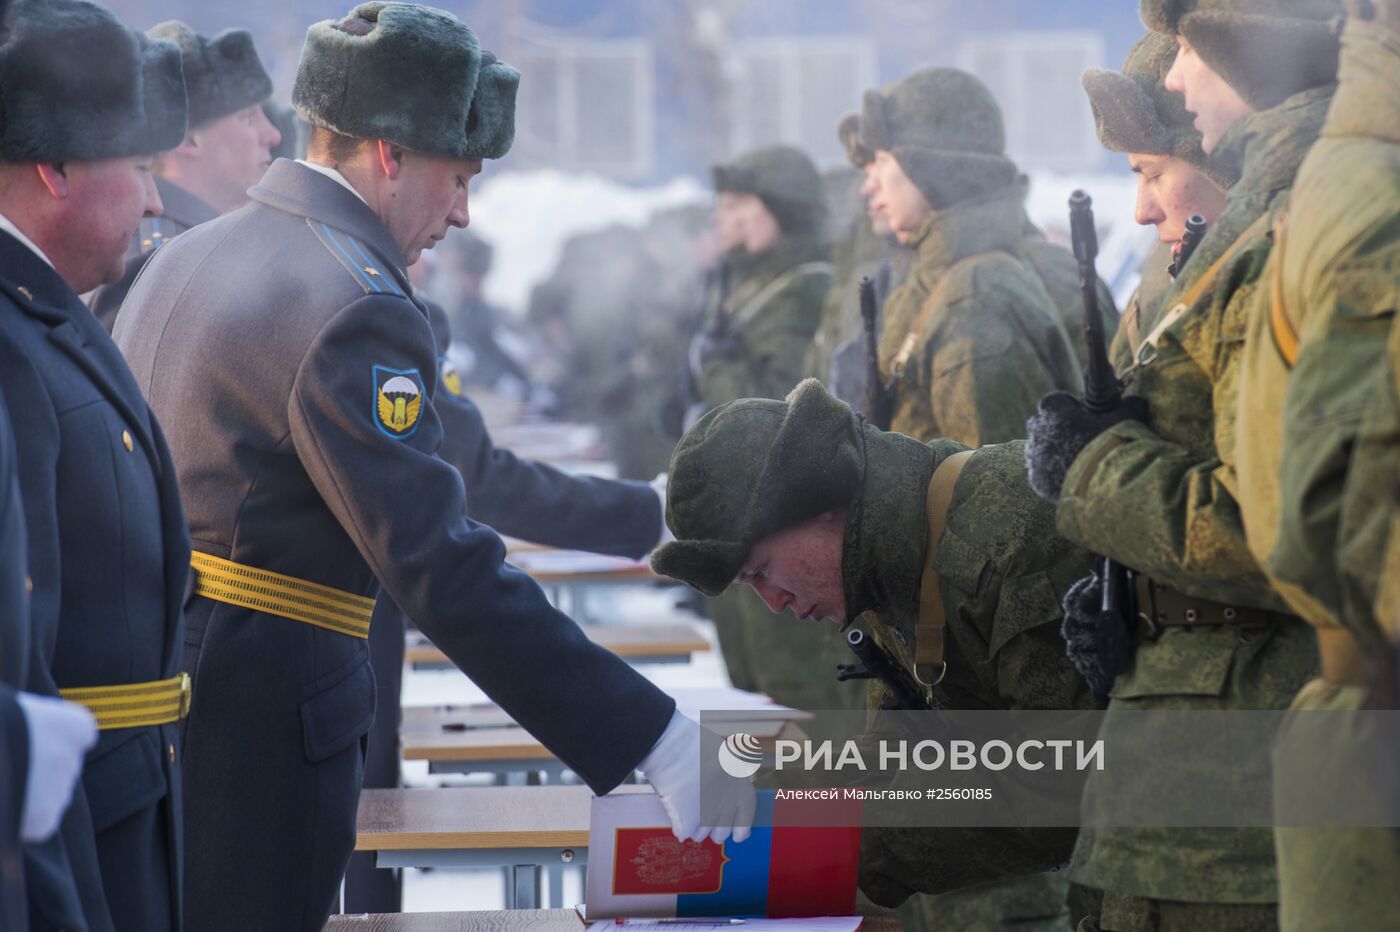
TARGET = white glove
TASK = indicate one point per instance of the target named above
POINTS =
(673, 769)
(659, 486)
(60, 733)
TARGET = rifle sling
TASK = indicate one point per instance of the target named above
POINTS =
(1280, 324)
(930, 629)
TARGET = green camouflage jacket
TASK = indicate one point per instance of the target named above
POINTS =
(1140, 315)
(1160, 497)
(1337, 265)
(989, 342)
(1002, 570)
(772, 310)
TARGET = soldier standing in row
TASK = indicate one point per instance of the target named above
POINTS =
(1156, 491)
(770, 215)
(972, 339)
(822, 513)
(306, 432)
(1317, 500)
(108, 548)
(225, 151)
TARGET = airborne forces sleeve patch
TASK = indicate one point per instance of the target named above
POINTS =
(398, 401)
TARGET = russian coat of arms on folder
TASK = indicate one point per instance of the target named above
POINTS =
(787, 868)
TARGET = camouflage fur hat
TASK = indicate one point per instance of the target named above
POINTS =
(75, 84)
(944, 128)
(1133, 110)
(410, 74)
(223, 74)
(1267, 50)
(751, 468)
(784, 179)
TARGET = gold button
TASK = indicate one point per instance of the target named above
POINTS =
(126, 441)
(171, 751)
(29, 585)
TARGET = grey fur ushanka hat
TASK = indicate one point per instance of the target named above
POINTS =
(410, 74)
(76, 84)
(944, 128)
(223, 74)
(784, 179)
(1267, 50)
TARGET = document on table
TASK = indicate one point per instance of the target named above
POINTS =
(811, 924)
(637, 868)
(572, 561)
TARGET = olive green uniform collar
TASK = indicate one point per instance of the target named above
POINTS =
(1261, 152)
(752, 271)
(996, 222)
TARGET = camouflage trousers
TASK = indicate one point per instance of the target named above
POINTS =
(1331, 878)
(1036, 903)
(1140, 914)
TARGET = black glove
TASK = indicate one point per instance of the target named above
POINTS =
(1060, 428)
(1099, 646)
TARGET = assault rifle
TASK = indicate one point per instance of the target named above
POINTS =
(1102, 390)
(1190, 239)
(875, 663)
(879, 400)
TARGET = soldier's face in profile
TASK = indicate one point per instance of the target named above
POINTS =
(104, 202)
(878, 224)
(1215, 105)
(896, 198)
(237, 149)
(800, 568)
(1171, 189)
(428, 196)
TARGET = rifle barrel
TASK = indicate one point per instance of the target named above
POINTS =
(1102, 390)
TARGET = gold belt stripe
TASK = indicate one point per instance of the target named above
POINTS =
(285, 596)
(136, 705)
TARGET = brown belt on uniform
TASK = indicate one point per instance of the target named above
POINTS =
(1343, 664)
(1161, 606)
(285, 596)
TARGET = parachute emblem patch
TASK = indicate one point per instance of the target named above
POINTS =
(451, 378)
(398, 401)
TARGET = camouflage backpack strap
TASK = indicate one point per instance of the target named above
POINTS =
(1147, 350)
(356, 258)
(1280, 324)
(750, 308)
(931, 304)
(931, 627)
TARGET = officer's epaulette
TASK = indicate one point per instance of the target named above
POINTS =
(152, 234)
(352, 254)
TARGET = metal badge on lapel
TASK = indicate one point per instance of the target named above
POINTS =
(398, 401)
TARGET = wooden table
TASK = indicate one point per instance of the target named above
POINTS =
(649, 642)
(527, 920)
(523, 829)
(484, 739)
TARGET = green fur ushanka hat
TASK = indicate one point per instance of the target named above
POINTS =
(784, 179)
(222, 75)
(1134, 111)
(75, 84)
(410, 74)
(944, 128)
(1267, 50)
(751, 468)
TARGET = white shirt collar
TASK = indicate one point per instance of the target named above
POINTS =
(8, 225)
(335, 176)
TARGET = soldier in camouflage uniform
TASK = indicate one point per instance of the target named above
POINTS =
(822, 513)
(1135, 114)
(771, 212)
(972, 338)
(1156, 491)
(1318, 396)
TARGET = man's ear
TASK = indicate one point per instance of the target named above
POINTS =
(390, 158)
(190, 147)
(54, 179)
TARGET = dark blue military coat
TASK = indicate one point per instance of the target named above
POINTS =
(524, 499)
(295, 374)
(182, 210)
(14, 666)
(108, 555)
